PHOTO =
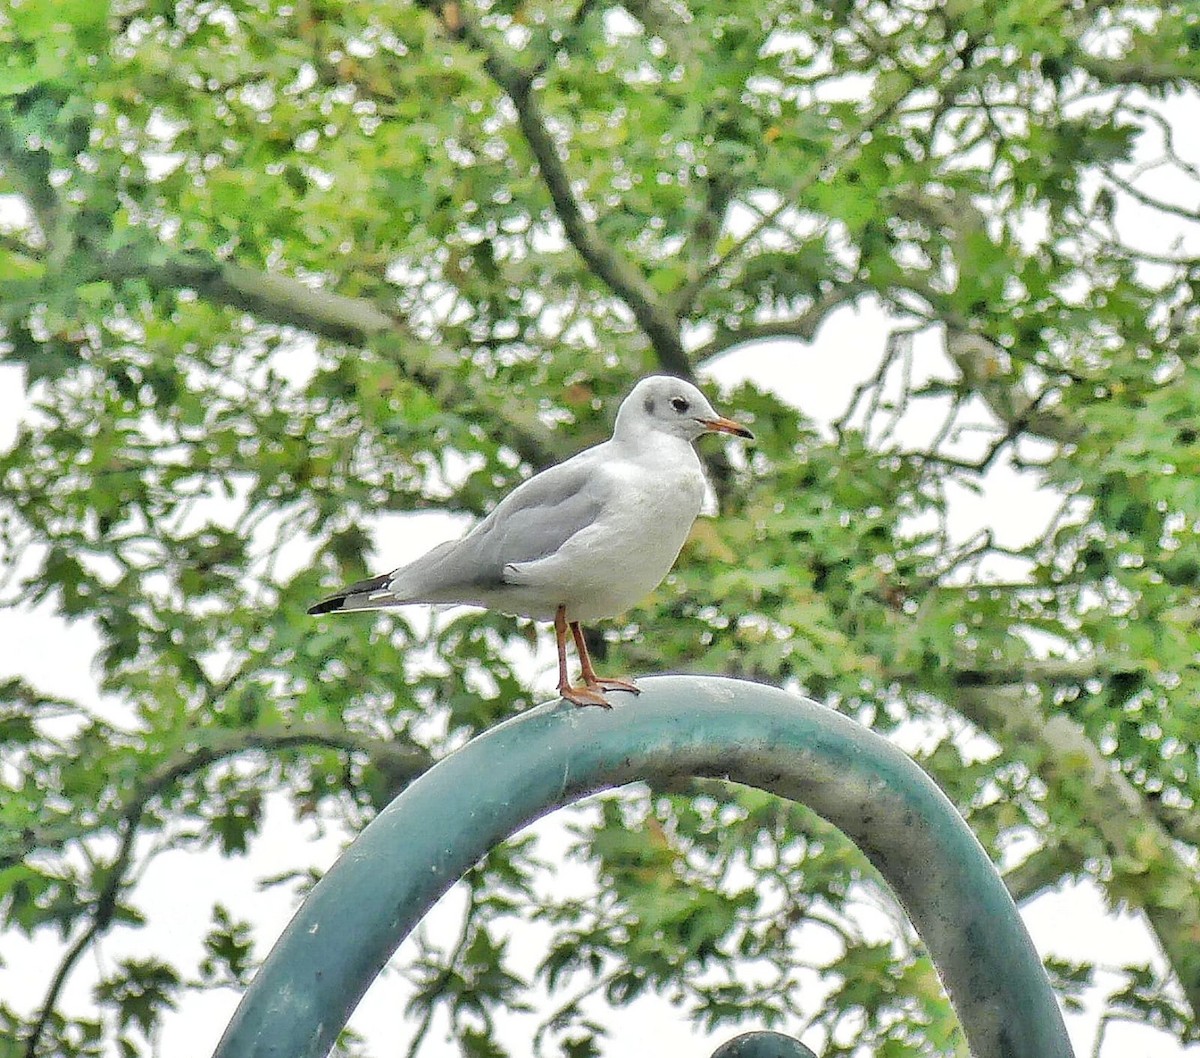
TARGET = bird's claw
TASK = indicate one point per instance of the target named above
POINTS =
(585, 696)
(618, 685)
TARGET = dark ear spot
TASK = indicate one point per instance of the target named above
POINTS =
(649, 405)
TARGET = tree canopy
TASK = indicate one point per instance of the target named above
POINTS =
(272, 270)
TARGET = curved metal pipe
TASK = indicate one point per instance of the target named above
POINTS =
(763, 1045)
(414, 850)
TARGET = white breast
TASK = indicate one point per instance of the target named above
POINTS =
(626, 554)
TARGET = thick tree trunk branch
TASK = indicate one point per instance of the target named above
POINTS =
(1045, 671)
(1140, 73)
(660, 325)
(623, 278)
(273, 299)
(1138, 845)
(287, 302)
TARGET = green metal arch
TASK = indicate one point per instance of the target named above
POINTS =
(380, 888)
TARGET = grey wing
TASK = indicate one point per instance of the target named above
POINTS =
(543, 513)
(531, 522)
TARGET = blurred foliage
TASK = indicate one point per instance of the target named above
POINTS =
(270, 271)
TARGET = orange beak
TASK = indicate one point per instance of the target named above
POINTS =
(723, 425)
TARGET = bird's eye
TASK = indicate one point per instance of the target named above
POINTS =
(679, 404)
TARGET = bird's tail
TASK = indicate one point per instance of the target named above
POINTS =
(371, 594)
(422, 581)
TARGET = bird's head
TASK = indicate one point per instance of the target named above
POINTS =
(669, 405)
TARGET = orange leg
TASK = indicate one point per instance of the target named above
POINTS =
(589, 674)
(592, 694)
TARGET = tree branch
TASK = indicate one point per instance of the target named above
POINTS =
(449, 969)
(802, 327)
(1044, 671)
(979, 361)
(1138, 195)
(1182, 824)
(1041, 870)
(102, 916)
(844, 150)
(1135, 72)
(983, 365)
(18, 247)
(29, 172)
(658, 19)
(271, 298)
(401, 764)
(673, 27)
(1136, 841)
(288, 302)
(660, 325)
(562, 39)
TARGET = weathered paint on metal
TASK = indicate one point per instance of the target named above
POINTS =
(423, 842)
(763, 1045)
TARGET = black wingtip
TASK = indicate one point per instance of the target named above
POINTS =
(327, 605)
(338, 601)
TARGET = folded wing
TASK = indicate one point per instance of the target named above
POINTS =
(531, 523)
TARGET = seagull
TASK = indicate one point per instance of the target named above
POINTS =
(584, 540)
